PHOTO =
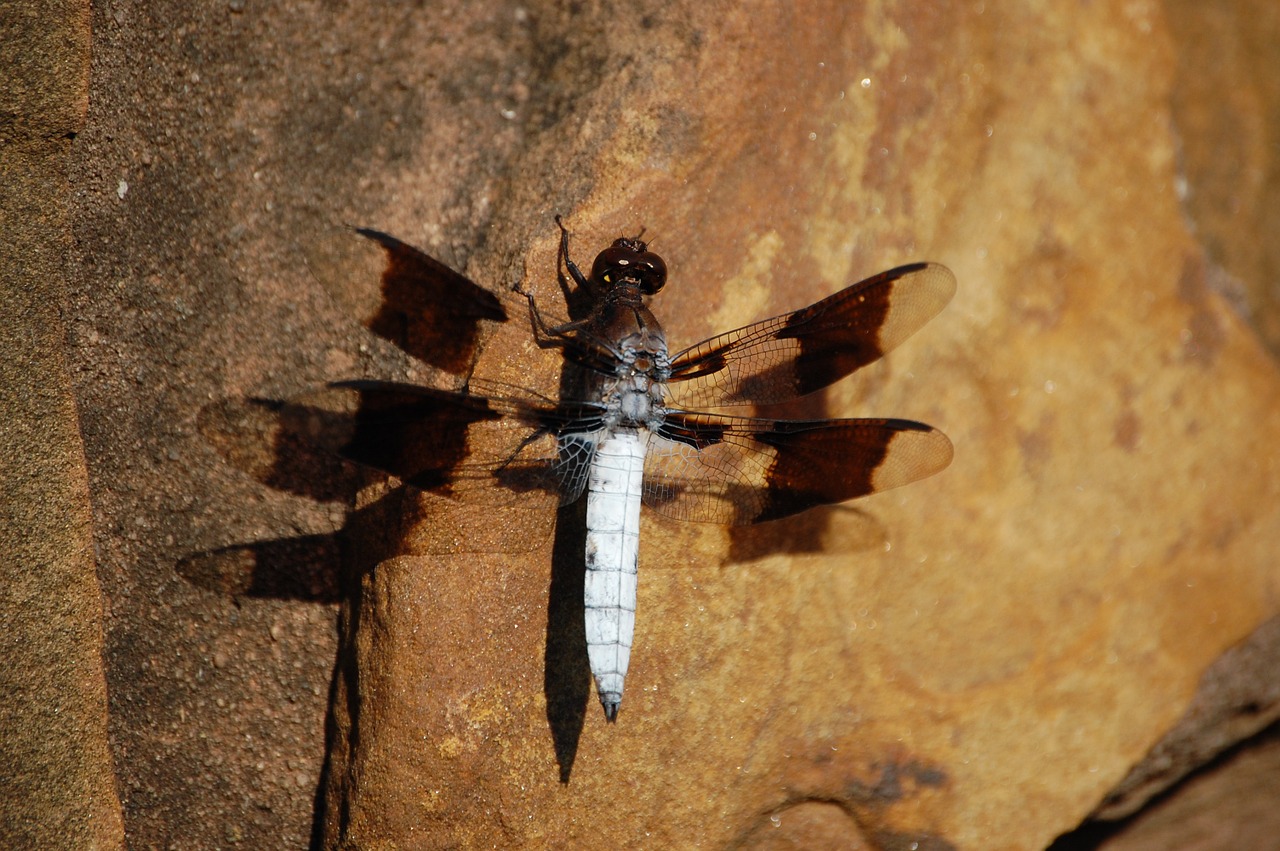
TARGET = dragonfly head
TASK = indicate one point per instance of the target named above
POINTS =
(629, 259)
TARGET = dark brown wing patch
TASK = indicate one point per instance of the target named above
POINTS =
(480, 448)
(738, 470)
(473, 447)
(795, 354)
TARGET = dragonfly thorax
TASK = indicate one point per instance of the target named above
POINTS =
(635, 395)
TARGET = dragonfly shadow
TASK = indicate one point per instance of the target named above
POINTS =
(304, 447)
(566, 670)
(835, 529)
(317, 568)
(322, 568)
(567, 682)
(290, 446)
(306, 568)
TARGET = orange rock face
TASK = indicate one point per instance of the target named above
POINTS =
(974, 661)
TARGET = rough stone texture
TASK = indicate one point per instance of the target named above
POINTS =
(1238, 698)
(1230, 803)
(1230, 806)
(57, 785)
(1044, 609)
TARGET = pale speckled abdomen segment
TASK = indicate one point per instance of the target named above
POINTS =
(613, 546)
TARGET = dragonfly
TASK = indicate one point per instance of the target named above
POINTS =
(632, 425)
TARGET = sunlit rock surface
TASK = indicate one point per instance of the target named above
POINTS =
(975, 661)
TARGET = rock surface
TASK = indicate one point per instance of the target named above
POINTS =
(975, 661)
(57, 782)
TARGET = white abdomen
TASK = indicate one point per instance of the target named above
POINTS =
(613, 545)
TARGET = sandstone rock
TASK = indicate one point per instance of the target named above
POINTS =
(975, 661)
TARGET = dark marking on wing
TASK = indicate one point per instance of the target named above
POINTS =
(821, 463)
(739, 470)
(792, 355)
(471, 446)
(425, 437)
(428, 310)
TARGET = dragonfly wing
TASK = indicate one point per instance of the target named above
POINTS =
(790, 356)
(739, 470)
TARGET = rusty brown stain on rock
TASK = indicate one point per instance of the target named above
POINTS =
(1127, 431)
(1036, 445)
(1204, 335)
